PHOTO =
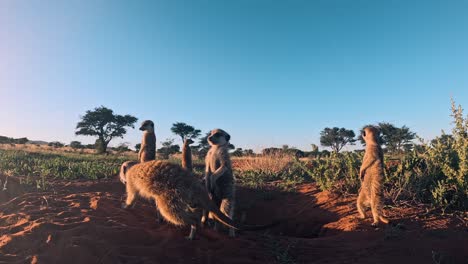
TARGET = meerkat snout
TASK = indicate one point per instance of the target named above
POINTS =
(147, 125)
(123, 170)
(218, 137)
(370, 135)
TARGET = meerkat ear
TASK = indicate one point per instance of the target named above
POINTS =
(228, 137)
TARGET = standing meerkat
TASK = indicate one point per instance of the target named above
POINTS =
(219, 179)
(181, 198)
(187, 155)
(148, 144)
(371, 174)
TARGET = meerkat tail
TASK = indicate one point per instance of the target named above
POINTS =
(218, 215)
(384, 220)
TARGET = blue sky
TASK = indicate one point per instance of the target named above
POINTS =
(269, 72)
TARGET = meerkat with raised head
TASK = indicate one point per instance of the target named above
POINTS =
(187, 155)
(219, 178)
(181, 198)
(148, 144)
(371, 174)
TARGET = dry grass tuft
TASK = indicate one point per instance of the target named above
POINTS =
(269, 164)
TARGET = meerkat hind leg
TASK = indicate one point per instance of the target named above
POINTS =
(375, 208)
(193, 230)
(227, 207)
(360, 205)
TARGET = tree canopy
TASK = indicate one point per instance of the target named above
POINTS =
(336, 138)
(185, 131)
(396, 139)
(103, 123)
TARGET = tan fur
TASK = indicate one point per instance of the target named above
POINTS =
(371, 174)
(181, 198)
(187, 155)
(219, 179)
(148, 144)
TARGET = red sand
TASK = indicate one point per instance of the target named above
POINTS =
(82, 222)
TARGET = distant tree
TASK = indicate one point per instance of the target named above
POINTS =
(249, 152)
(239, 152)
(295, 152)
(90, 146)
(21, 140)
(122, 147)
(185, 131)
(168, 148)
(137, 147)
(271, 151)
(103, 123)
(56, 144)
(7, 140)
(336, 138)
(76, 145)
(396, 139)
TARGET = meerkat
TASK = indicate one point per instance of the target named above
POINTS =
(371, 174)
(187, 155)
(148, 144)
(219, 179)
(181, 198)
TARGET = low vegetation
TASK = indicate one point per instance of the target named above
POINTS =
(37, 169)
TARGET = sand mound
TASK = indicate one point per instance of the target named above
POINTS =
(82, 222)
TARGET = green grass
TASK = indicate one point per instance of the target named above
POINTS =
(32, 166)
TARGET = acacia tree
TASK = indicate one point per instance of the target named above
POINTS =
(103, 123)
(396, 139)
(185, 131)
(336, 138)
(76, 145)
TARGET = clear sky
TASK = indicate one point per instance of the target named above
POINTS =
(268, 72)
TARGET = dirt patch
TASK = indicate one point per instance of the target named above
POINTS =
(10, 187)
(82, 222)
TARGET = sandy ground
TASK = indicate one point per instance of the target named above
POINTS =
(82, 222)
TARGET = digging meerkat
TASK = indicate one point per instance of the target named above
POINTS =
(148, 144)
(181, 198)
(219, 179)
(371, 174)
(187, 155)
